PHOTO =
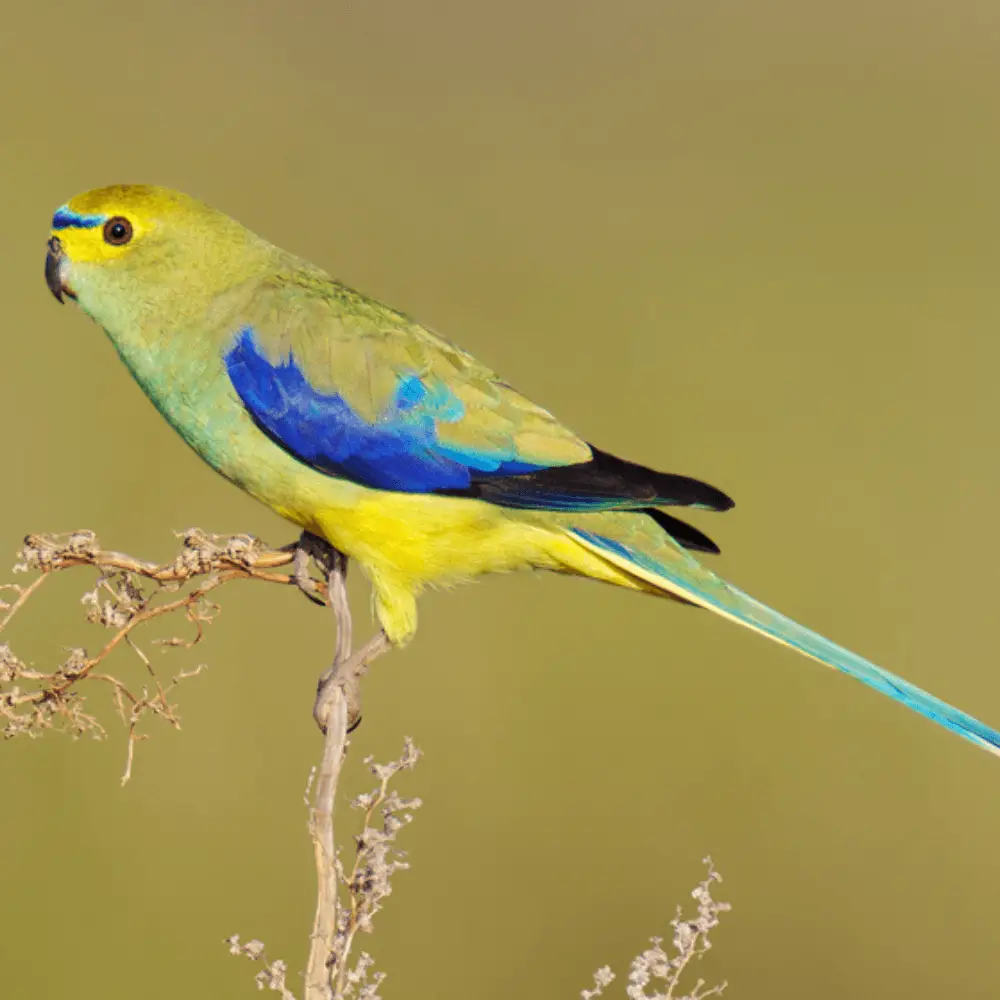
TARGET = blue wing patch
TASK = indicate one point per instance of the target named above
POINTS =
(399, 450)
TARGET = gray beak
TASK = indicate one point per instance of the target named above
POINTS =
(53, 268)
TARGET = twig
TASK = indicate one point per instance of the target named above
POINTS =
(129, 593)
(375, 861)
(322, 954)
(322, 942)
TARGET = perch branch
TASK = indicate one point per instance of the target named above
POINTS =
(129, 593)
(322, 954)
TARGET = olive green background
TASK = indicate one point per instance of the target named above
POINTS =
(752, 242)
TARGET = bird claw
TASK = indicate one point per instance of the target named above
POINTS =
(309, 546)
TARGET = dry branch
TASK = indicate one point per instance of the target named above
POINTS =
(128, 594)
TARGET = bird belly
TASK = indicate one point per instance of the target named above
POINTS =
(408, 542)
(430, 540)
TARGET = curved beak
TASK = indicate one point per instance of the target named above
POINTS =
(54, 266)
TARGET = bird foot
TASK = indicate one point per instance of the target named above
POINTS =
(328, 559)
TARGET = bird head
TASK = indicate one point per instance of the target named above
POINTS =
(129, 251)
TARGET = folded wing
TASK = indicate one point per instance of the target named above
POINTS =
(356, 390)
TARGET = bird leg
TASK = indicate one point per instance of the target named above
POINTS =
(336, 590)
(346, 674)
(347, 670)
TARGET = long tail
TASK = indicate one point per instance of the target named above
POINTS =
(629, 544)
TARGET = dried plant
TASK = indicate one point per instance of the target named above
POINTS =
(690, 942)
(127, 595)
(357, 894)
(130, 593)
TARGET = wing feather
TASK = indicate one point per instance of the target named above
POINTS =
(358, 390)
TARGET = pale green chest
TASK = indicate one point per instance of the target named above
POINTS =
(190, 387)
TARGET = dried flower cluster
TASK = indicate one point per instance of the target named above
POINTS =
(690, 942)
(127, 594)
(376, 860)
(273, 976)
(363, 890)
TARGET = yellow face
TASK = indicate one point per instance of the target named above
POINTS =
(106, 224)
(98, 237)
(132, 251)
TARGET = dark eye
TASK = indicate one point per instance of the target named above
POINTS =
(117, 231)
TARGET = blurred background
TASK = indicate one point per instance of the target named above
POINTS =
(754, 243)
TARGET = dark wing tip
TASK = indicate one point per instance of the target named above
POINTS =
(681, 532)
(660, 488)
(604, 483)
(720, 501)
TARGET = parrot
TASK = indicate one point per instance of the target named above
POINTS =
(373, 433)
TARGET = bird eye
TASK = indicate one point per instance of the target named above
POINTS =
(117, 231)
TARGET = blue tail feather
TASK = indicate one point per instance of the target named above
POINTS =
(690, 580)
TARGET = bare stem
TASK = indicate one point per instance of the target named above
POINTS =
(319, 971)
